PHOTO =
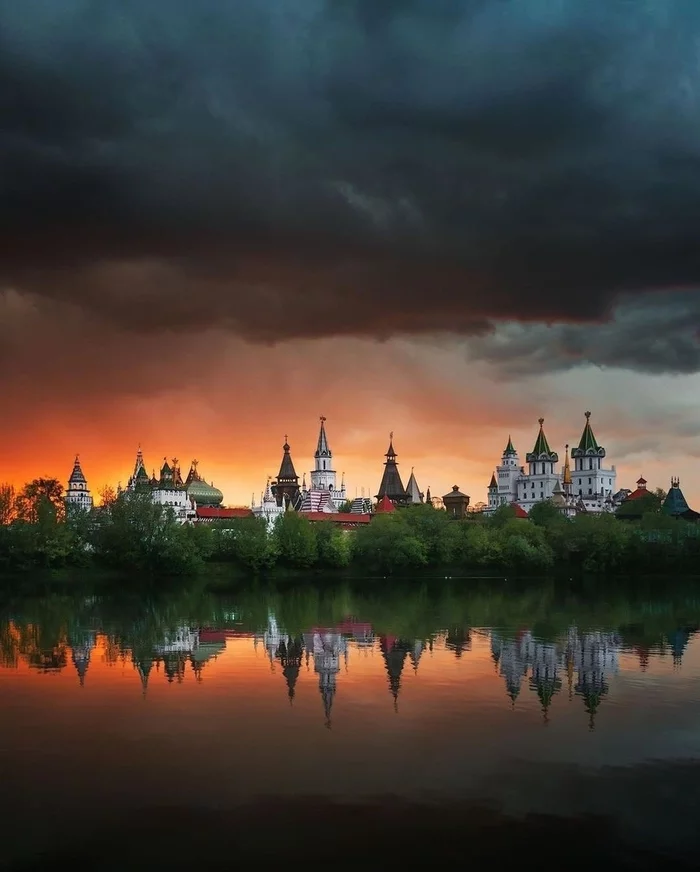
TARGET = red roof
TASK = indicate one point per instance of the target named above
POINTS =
(641, 490)
(519, 511)
(344, 518)
(214, 513)
(385, 505)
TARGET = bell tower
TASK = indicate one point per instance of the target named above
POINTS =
(323, 474)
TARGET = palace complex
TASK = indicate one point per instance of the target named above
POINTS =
(584, 483)
(589, 487)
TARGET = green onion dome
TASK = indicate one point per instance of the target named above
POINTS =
(204, 494)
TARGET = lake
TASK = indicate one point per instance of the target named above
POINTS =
(439, 719)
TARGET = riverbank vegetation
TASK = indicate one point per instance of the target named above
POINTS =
(130, 532)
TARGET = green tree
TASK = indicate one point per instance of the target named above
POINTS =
(247, 542)
(501, 516)
(295, 537)
(40, 494)
(429, 527)
(648, 503)
(388, 544)
(8, 504)
(345, 507)
(333, 544)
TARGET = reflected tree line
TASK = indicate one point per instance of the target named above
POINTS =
(543, 640)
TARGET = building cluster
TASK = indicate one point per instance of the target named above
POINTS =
(584, 483)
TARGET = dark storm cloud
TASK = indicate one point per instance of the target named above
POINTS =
(654, 335)
(318, 167)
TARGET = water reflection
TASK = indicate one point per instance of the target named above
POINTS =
(173, 638)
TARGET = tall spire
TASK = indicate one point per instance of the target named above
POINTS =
(567, 481)
(541, 444)
(77, 474)
(588, 441)
(510, 449)
(322, 449)
(412, 489)
(391, 485)
(287, 483)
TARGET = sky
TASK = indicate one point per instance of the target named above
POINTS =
(441, 218)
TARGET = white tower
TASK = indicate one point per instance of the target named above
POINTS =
(323, 474)
(541, 479)
(78, 493)
(594, 484)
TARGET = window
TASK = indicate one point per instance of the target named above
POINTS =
(324, 464)
(590, 491)
(589, 481)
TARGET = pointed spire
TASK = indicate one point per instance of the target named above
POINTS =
(541, 444)
(77, 477)
(267, 495)
(588, 441)
(413, 491)
(391, 485)
(567, 480)
(322, 449)
(287, 472)
(139, 461)
(493, 483)
(510, 449)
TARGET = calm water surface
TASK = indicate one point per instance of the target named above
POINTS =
(196, 711)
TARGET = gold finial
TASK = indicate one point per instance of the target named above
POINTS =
(391, 435)
(195, 464)
(588, 415)
(541, 421)
(175, 461)
(322, 418)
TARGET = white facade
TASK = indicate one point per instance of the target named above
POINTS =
(169, 491)
(592, 482)
(590, 485)
(177, 500)
(324, 495)
(267, 508)
(78, 494)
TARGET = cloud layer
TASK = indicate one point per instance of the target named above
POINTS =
(348, 167)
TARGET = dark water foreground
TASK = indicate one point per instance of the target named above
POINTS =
(463, 721)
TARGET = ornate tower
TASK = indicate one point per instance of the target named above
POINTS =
(502, 487)
(78, 493)
(391, 485)
(323, 474)
(593, 483)
(287, 483)
(541, 479)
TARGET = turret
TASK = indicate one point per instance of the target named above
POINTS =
(323, 474)
(542, 459)
(391, 485)
(587, 457)
(78, 493)
(590, 480)
(287, 483)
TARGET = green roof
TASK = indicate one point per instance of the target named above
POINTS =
(675, 503)
(588, 440)
(510, 450)
(541, 445)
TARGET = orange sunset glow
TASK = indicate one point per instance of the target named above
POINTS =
(229, 404)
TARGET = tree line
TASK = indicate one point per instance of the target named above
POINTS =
(128, 531)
